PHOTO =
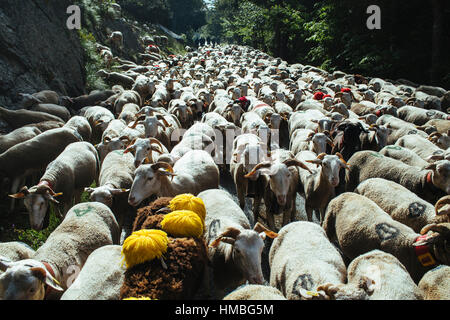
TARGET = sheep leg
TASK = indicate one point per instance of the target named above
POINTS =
(287, 214)
(256, 206)
(269, 217)
(293, 209)
(241, 191)
(309, 212)
(322, 215)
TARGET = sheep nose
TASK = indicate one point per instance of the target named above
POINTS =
(131, 200)
(334, 182)
(281, 200)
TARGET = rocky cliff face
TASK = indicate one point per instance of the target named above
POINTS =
(37, 51)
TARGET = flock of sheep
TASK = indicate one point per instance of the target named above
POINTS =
(364, 163)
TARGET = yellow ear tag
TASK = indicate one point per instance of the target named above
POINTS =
(58, 194)
(312, 293)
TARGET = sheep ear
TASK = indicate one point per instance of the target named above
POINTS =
(18, 195)
(261, 229)
(46, 277)
(5, 263)
(89, 190)
(118, 191)
(431, 166)
(308, 295)
(434, 157)
(146, 161)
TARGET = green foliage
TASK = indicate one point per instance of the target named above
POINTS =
(93, 63)
(333, 34)
(34, 238)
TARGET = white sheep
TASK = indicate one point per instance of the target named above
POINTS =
(255, 292)
(391, 281)
(86, 227)
(148, 150)
(318, 187)
(435, 284)
(115, 180)
(400, 203)
(280, 179)
(192, 173)
(406, 156)
(302, 258)
(73, 170)
(422, 146)
(15, 251)
(81, 125)
(430, 183)
(17, 136)
(27, 158)
(247, 151)
(357, 225)
(101, 277)
(234, 249)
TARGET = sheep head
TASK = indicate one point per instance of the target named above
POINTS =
(25, 280)
(36, 200)
(331, 165)
(247, 246)
(442, 207)
(440, 173)
(148, 181)
(437, 237)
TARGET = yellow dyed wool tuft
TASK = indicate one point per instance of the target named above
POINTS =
(190, 202)
(144, 245)
(183, 223)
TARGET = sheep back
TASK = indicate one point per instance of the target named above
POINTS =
(255, 292)
(86, 227)
(101, 277)
(313, 262)
(435, 284)
(392, 280)
(401, 204)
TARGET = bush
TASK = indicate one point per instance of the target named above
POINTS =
(93, 63)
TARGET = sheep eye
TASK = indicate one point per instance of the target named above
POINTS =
(32, 290)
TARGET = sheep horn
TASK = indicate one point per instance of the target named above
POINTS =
(342, 158)
(266, 164)
(161, 117)
(140, 118)
(21, 194)
(443, 202)
(434, 134)
(156, 141)
(296, 162)
(310, 136)
(321, 156)
(163, 165)
(228, 236)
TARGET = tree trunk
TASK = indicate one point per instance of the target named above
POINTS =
(437, 7)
